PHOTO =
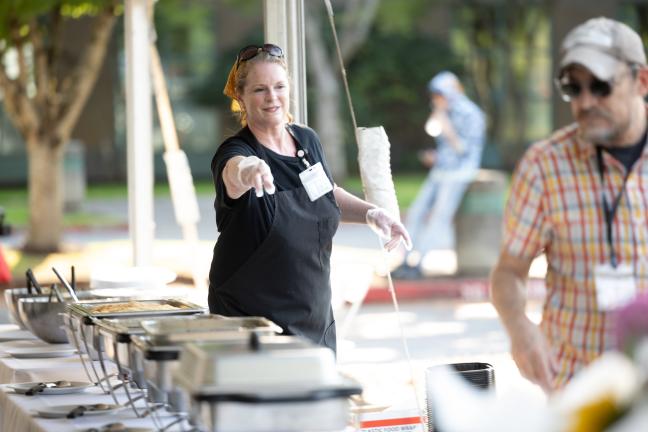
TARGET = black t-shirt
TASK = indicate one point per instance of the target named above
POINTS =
(258, 213)
(628, 155)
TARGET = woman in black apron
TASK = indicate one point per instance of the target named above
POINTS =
(277, 208)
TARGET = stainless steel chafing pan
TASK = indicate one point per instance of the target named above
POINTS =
(112, 337)
(82, 317)
(266, 384)
(179, 307)
(161, 345)
(203, 327)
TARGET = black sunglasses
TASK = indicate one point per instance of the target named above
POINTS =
(251, 51)
(570, 90)
(600, 89)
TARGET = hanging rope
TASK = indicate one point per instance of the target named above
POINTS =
(329, 10)
(390, 282)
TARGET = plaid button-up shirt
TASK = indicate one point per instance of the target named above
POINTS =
(556, 207)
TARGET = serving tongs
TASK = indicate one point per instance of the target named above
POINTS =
(32, 282)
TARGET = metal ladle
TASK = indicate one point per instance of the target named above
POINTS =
(66, 285)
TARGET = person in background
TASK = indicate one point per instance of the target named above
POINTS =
(459, 127)
(580, 197)
(277, 208)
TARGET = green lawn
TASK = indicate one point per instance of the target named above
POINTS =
(14, 200)
(407, 185)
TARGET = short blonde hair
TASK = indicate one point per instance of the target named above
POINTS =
(237, 79)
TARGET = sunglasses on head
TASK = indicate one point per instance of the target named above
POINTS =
(251, 51)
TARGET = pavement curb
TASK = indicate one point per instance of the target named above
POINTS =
(474, 289)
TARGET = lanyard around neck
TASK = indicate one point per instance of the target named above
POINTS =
(609, 211)
(301, 152)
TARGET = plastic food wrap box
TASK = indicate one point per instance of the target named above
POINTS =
(405, 420)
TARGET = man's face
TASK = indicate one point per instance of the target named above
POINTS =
(604, 120)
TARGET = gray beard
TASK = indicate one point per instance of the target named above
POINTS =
(605, 137)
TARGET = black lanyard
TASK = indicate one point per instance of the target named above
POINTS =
(609, 212)
(301, 152)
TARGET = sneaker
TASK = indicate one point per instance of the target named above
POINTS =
(405, 272)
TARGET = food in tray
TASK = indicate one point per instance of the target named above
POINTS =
(133, 306)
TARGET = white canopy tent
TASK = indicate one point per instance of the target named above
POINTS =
(139, 131)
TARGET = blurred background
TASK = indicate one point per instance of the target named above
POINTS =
(502, 50)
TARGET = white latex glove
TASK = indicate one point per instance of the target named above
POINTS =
(255, 173)
(388, 228)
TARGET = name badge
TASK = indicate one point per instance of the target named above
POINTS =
(315, 181)
(615, 287)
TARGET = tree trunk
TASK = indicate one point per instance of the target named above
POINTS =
(46, 117)
(45, 228)
(330, 113)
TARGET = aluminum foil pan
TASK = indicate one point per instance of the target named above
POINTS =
(129, 308)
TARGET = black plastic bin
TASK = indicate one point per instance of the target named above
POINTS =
(478, 375)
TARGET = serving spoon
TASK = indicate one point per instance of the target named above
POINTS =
(66, 285)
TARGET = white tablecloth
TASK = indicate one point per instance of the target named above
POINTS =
(17, 411)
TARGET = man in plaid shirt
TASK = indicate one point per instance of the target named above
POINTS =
(580, 197)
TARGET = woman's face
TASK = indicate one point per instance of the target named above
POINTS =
(266, 95)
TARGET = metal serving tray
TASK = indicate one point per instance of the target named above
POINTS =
(114, 335)
(81, 320)
(159, 349)
(182, 329)
(181, 307)
(274, 383)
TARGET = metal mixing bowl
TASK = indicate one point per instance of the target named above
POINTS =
(11, 297)
(43, 318)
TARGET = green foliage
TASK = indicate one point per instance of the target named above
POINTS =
(406, 185)
(16, 14)
(249, 7)
(388, 80)
(400, 17)
(209, 92)
(185, 34)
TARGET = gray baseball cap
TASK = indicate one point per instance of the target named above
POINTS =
(600, 45)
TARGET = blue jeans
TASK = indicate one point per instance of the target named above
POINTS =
(430, 217)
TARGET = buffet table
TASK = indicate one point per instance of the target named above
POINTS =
(17, 411)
